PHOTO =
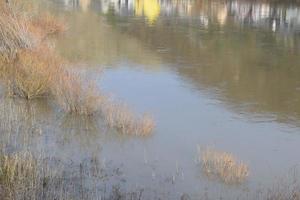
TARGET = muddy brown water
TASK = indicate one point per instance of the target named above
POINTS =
(224, 74)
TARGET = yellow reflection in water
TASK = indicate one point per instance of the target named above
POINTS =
(148, 8)
(84, 4)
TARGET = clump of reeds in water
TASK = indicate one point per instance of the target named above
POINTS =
(74, 95)
(223, 165)
(16, 175)
(120, 117)
(33, 73)
(23, 177)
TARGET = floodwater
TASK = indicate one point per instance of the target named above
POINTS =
(223, 74)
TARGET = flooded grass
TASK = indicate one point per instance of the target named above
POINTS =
(75, 95)
(223, 165)
(23, 176)
(120, 117)
(32, 73)
(288, 192)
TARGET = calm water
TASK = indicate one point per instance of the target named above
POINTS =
(224, 74)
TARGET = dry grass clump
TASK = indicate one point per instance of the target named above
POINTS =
(33, 73)
(288, 188)
(27, 63)
(14, 33)
(283, 194)
(16, 175)
(120, 117)
(78, 96)
(223, 166)
(46, 24)
(75, 95)
(25, 177)
(19, 30)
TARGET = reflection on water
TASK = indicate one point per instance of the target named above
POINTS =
(227, 46)
(275, 17)
(148, 8)
(221, 73)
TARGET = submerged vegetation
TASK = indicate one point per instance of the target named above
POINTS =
(24, 176)
(223, 165)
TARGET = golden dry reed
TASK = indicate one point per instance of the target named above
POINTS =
(222, 165)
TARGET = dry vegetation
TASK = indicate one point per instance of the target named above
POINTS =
(13, 32)
(33, 73)
(46, 24)
(223, 166)
(26, 177)
(31, 69)
(288, 192)
(75, 95)
(120, 117)
(16, 175)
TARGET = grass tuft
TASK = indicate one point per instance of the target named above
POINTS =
(74, 95)
(223, 166)
(14, 33)
(32, 75)
(46, 24)
(120, 117)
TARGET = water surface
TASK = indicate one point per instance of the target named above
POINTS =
(224, 74)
